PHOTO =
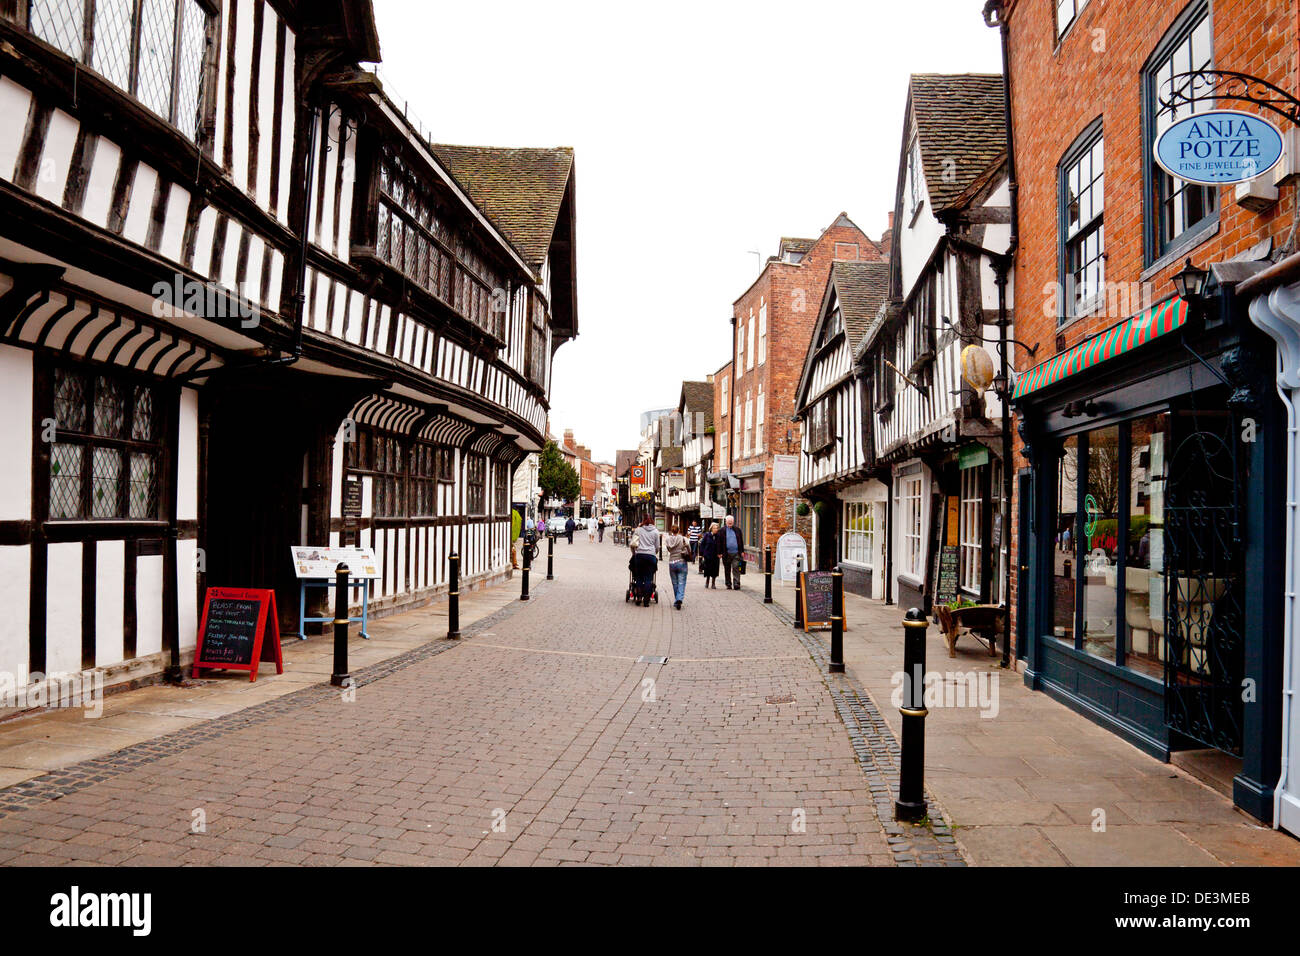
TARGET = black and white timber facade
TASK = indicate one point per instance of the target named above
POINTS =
(233, 278)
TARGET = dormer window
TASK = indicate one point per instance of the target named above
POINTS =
(792, 257)
(914, 192)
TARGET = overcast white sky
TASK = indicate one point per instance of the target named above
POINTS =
(702, 131)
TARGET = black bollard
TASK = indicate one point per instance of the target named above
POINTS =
(798, 591)
(528, 563)
(453, 597)
(910, 804)
(340, 674)
(767, 575)
(837, 621)
(550, 557)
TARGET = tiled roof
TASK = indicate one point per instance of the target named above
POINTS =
(670, 456)
(796, 245)
(699, 398)
(520, 190)
(860, 287)
(961, 122)
(623, 460)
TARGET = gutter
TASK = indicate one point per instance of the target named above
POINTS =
(995, 15)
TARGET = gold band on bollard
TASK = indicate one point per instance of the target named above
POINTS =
(342, 620)
(915, 624)
(453, 594)
(914, 711)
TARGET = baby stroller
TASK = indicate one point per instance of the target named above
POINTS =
(634, 592)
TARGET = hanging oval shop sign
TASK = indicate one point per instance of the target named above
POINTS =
(1218, 147)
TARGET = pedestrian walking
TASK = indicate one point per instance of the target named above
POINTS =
(644, 543)
(678, 547)
(591, 529)
(693, 535)
(709, 557)
(600, 532)
(541, 527)
(731, 549)
(569, 527)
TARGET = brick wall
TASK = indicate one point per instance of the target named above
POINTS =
(1059, 88)
(793, 295)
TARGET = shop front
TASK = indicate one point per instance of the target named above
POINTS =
(864, 509)
(1154, 582)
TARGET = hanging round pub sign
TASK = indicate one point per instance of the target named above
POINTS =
(1219, 147)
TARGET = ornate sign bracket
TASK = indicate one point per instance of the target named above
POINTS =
(1187, 89)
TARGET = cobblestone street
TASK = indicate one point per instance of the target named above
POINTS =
(542, 737)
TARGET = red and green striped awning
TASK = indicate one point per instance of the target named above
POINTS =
(1118, 339)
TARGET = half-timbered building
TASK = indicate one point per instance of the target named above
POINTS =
(235, 280)
(937, 437)
(833, 402)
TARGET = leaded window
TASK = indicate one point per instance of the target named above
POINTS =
(500, 488)
(155, 50)
(106, 458)
(476, 484)
(416, 236)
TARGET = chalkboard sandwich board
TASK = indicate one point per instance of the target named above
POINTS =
(945, 591)
(232, 628)
(817, 599)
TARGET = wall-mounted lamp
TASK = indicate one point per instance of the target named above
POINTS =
(1190, 282)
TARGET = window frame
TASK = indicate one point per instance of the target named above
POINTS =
(970, 529)
(162, 398)
(1157, 252)
(1077, 8)
(476, 492)
(206, 105)
(859, 545)
(1092, 135)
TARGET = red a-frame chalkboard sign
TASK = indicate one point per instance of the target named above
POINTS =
(231, 631)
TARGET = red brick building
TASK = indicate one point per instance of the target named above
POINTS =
(579, 456)
(772, 322)
(1147, 525)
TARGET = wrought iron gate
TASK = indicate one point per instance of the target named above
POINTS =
(1204, 569)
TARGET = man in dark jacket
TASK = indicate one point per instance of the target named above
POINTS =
(568, 528)
(731, 549)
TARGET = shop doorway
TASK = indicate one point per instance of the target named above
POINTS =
(1204, 581)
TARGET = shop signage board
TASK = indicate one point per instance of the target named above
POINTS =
(312, 562)
(945, 591)
(352, 498)
(818, 599)
(791, 552)
(234, 631)
(1218, 147)
(785, 472)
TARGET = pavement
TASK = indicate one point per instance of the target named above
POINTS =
(555, 733)
(1024, 780)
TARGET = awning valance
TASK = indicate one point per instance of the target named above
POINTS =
(1118, 339)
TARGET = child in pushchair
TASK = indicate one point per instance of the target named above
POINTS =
(642, 594)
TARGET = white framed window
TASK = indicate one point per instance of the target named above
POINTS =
(760, 411)
(859, 533)
(726, 404)
(1003, 547)
(1066, 12)
(752, 329)
(971, 529)
(740, 345)
(911, 534)
(749, 424)
(762, 331)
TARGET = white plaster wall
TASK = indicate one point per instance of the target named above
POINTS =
(15, 590)
(16, 434)
(110, 575)
(148, 605)
(63, 607)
